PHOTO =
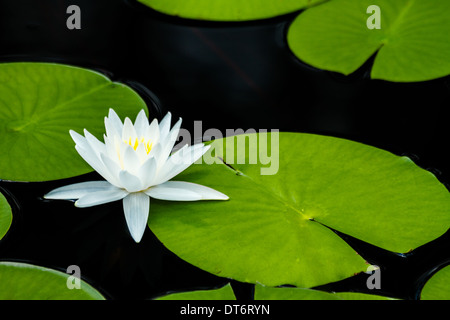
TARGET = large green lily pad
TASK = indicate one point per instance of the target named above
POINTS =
(5, 216)
(437, 287)
(271, 232)
(270, 293)
(412, 43)
(228, 10)
(21, 281)
(40, 103)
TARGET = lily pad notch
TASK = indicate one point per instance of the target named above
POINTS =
(410, 45)
(265, 233)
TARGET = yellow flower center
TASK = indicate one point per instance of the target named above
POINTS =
(135, 144)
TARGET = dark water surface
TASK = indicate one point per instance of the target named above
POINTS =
(227, 75)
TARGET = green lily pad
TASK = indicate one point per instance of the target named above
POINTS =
(21, 281)
(271, 293)
(270, 230)
(228, 10)
(410, 45)
(268, 293)
(224, 293)
(437, 286)
(40, 103)
(5, 216)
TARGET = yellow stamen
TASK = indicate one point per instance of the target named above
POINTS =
(135, 144)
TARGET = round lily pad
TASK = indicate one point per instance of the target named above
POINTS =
(273, 230)
(437, 286)
(5, 216)
(227, 10)
(409, 38)
(40, 103)
(21, 281)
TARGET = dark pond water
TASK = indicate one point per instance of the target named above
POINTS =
(227, 75)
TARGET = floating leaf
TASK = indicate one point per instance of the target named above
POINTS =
(224, 293)
(40, 103)
(270, 293)
(228, 10)
(5, 216)
(271, 232)
(412, 43)
(437, 286)
(21, 281)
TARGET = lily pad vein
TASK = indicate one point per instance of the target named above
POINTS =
(75, 98)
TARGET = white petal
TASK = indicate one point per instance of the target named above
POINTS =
(162, 192)
(91, 156)
(94, 143)
(152, 133)
(173, 135)
(141, 152)
(113, 168)
(129, 181)
(77, 190)
(111, 149)
(111, 129)
(188, 154)
(136, 207)
(180, 161)
(94, 161)
(182, 150)
(128, 131)
(206, 193)
(100, 197)
(147, 172)
(120, 147)
(184, 191)
(141, 124)
(168, 143)
(155, 152)
(79, 139)
(131, 160)
(164, 127)
(97, 164)
(114, 122)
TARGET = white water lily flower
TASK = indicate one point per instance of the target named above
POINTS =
(137, 164)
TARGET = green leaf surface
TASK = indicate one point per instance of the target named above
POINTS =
(40, 103)
(21, 281)
(271, 293)
(437, 287)
(270, 230)
(268, 293)
(224, 293)
(5, 216)
(228, 10)
(412, 43)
